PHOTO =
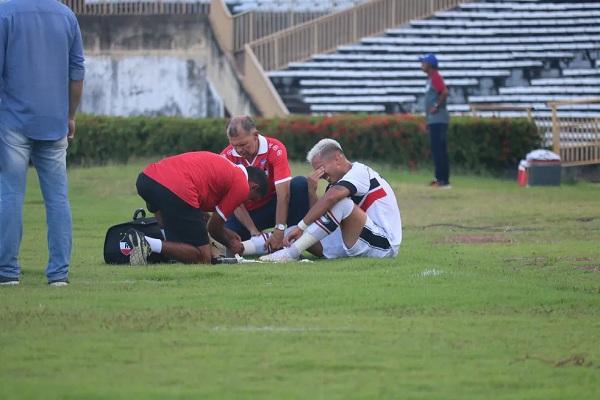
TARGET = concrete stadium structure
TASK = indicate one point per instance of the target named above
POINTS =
(517, 53)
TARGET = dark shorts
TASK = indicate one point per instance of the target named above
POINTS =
(182, 222)
(264, 217)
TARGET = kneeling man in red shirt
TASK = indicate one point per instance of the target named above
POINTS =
(179, 190)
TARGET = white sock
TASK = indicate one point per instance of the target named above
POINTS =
(322, 227)
(155, 244)
(256, 245)
(163, 234)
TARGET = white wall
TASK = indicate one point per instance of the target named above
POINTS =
(148, 85)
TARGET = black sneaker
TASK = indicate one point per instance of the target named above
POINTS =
(140, 248)
(59, 283)
(5, 281)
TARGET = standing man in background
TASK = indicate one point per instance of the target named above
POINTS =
(41, 81)
(286, 200)
(438, 118)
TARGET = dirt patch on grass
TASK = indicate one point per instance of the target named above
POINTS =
(539, 261)
(477, 239)
(578, 360)
(592, 267)
(587, 219)
(543, 261)
(499, 228)
(590, 264)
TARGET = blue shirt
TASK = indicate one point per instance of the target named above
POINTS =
(40, 51)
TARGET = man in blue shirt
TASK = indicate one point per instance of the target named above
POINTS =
(41, 80)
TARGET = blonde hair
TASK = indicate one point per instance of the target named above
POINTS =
(323, 147)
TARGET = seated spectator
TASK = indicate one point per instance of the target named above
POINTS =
(179, 190)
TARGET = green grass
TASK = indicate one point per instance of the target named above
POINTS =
(517, 318)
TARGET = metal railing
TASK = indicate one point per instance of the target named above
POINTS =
(575, 138)
(324, 34)
(252, 76)
(250, 26)
(139, 7)
(235, 31)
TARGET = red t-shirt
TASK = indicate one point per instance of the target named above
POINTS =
(271, 158)
(204, 180)
(437, 81)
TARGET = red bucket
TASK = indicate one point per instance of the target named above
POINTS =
(522, 176)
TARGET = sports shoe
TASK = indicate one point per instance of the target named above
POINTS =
(140, 248)
(5, 281)
(217, 249)
(438, 185)
(59, 283)
(280, 256)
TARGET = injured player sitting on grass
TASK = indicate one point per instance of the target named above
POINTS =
(358, 216)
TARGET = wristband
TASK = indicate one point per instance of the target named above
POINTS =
(302, 226)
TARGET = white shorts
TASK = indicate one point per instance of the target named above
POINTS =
(373, 242)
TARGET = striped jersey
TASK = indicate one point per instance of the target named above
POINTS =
(375, 196)
(271, 158)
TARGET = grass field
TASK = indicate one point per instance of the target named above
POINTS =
(495, 294)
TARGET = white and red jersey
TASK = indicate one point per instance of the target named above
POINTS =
(375, 196)
(204, 180)
(271, 158)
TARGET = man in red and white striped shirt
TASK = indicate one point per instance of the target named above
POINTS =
(286, 200)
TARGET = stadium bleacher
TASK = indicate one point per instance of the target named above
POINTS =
(517, 52)
(240, 6)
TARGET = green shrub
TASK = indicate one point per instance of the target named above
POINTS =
(102, 139)
(490, 144)
(476, 144)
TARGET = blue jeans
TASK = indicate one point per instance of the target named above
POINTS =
(264, 217)
(438, 137)
(49, 159)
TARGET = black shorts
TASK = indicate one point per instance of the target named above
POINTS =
(182, 222)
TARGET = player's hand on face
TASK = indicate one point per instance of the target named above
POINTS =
(292, 236)
(313, 179)
(275, 241)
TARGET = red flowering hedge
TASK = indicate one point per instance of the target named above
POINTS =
(393, 139)
(477, 144)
